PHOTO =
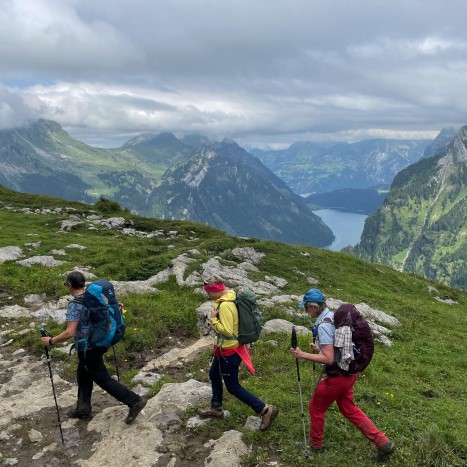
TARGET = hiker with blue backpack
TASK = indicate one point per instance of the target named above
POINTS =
(345, 347)
(229, 352)
(92, 341)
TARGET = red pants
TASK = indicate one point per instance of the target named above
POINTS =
(339, 389)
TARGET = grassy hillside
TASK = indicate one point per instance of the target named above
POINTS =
(414, 390)
(421, 227)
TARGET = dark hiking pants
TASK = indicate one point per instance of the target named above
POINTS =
(227, 370)
(91, 369)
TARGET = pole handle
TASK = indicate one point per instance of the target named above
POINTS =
(44, 332)
(293, 339)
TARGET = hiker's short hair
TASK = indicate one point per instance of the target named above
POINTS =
(76, 280)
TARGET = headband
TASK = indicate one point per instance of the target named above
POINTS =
(217, 287)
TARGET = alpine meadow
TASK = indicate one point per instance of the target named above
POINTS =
(414, 388)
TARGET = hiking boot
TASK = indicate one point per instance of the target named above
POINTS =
(268, 417)
(212, 412)
(135, 409)
(311, 448)
(386, 450)
(81, 411)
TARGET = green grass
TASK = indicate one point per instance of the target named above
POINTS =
(414, 391)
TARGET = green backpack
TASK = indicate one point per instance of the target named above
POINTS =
(250, 321)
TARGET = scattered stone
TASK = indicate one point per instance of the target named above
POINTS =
(114, 223)
(277, 281)
(140, 390)
(48, 261)
(282, 326)
(196, 421)
(376, 315)
(252, 423)
(10, 461)
(76, 246)
(146, 377)
(248, 253)
(34, 299)
(447, 300)
(229, 446)
(33, 244)
(10, 253)
(58, 252)
(35, 436)
(14, 311)
(68, 224)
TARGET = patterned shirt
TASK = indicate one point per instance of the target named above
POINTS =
(343, 342)
(78, 312)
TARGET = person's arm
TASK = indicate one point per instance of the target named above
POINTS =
(326, 356)
(68, 333)
(223, 320)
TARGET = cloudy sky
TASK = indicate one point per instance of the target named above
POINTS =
(262, 72)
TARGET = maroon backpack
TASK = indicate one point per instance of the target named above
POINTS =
(362, 338)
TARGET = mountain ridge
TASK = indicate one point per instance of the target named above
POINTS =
(132, 175)
(239, 195)
(421, 226)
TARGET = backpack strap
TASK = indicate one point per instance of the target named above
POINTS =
(79, 299)
(327, 320)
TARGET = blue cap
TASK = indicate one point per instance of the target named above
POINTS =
(313, 295)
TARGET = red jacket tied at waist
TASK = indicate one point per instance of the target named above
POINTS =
(242, 352)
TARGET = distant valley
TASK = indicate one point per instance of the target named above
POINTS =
(310, 168)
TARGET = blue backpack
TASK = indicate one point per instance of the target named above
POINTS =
(105, 314)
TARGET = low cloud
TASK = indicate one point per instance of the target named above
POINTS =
(258, 72)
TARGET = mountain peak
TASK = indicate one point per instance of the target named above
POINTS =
(224, 186)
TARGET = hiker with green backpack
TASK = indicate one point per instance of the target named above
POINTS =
(345, 347)
(230, 350)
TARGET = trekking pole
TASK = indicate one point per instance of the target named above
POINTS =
(314, 363)
(44, 333)
(306, 452)
(116, 366)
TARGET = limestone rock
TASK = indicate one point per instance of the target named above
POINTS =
(228, 450)
(10, 253)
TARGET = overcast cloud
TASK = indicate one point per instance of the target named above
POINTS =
(262, 72)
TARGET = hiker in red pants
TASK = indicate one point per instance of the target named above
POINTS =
(338, 388)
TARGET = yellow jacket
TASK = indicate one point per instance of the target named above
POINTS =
(226, 321)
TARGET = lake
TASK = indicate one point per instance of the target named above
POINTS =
(347, 227)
